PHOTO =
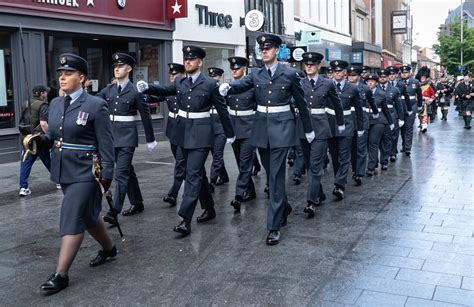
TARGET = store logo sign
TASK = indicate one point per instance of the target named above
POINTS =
(213, 19)
(67, 3)
(254, 20)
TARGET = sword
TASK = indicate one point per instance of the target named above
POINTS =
(97, 170)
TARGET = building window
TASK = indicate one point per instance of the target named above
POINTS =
(359, 29)
(7, 105)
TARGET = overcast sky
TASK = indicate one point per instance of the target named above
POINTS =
(428, 15)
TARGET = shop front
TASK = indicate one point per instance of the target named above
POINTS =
(214, 26)
(365, 54)
(34, 33)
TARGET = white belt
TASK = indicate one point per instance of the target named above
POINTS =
(193, 115)
(172, 115)
(278, 109)
(241, 113)
(318, 111)
(366, 109)
(379, 109)
(122, 118)
(213, 111)
(345, 112)
(412, 97)
(390, 106)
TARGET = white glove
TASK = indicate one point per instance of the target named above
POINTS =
(310, 136)
(410, 113)
(360, 133)
(341, 128)
(401, 123)
(392, 126)
(230, 140)
(224, 89)
(375, 116)
(142, 86)
(151, 145)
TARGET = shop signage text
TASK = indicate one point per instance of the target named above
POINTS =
(70, 3)
(212, 19)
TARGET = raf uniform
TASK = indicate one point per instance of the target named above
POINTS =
(124, 101)
(196, 95)
(416, 98)
(79, 129)
(378, 124)
(242, 109)
(173, 108)
(341, 142)
(359, 142)
(364, 73)
(397, 113)
(320, 93)
(274, 129)
(405, 104)
(218, 174)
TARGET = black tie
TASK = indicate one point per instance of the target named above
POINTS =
(269, 72)
(383, 87)
(339, 86)
(119, 89)
(312, 82)
(191, 80)
(67, 102)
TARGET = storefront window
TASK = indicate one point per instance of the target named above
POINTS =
(217, 57)
(7, 106)
(147, 70)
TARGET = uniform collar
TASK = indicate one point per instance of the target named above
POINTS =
(76, 95)
(194, 76)
(315, 78)
(342, 82)
(123, 84)
(272, 68)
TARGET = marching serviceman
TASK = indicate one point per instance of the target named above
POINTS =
(416, 98)
(196, 94)
(274, 132)
(377, 123)
(397, 112)
(218, 174)
(176, 70)
(364, 73)
(341, 142)
(405, 103)
(241, 109)
(465, 94)
(320, 93)
(359, 143)
(429, 94)
(79, 131)
(124, 101)
(443, 93)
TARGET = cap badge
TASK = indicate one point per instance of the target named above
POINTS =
(336, 63)
(188, 49)
(211, 70)
(310, 56)
(63, 60)
(116, 57)
(171, 66)
(233, 60)
(263, 39)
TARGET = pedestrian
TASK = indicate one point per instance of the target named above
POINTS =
(443, 95)
(176, 70)
(196, 94)
(320, 93)
(273, 131)
(359, 142)
(39, 123)
(79, 129)
(341, 142)
(124, 102)
(416, 98)
(242, 109)
(428, 92)
(465, 92)
(218, 174)
(378, 123)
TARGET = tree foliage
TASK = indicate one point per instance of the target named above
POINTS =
(449, 47)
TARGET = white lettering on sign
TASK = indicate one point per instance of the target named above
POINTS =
(69, 3)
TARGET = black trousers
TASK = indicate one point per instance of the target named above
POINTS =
(375, 138)
(244, 154)
(359, 153)
(340, 150)
(179, 170)
(315, 156)
(218, 166)
(196, 183)
(126, 182)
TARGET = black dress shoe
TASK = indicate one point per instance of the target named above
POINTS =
(384, 167)
(134, 209)
(322, 196)
(207, 215)
(310, 209)
(393, 158)
(102, 256)
(358, 180)
(288, 209)
(273, 237)
(236, 205)
(170, 200)
(249, 197)
(221, 181)
(407, 153)
(297, 179)
(184, 227)
(55, 283)
(111, 217)
(338, 192)
(212, 187)
(291, 162)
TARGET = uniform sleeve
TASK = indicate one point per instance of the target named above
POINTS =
(372, 104)
(398, 104)
(336, 104)
(161, 90)
(242, 85)
(219, 103)
(357, 103)
(406, 97)
(103, 93)
(300, 103)
(105, 141)
(144, 110)
(386, 111)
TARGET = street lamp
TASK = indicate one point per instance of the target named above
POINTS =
(462, 35)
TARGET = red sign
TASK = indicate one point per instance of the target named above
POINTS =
(177, 9)
(143, 12)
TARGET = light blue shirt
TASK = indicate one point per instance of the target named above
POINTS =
(123, 84)
(342, 82)
(315, 78)
(76, 95)
(272, 68)
(194, 76)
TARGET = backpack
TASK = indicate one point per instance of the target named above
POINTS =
(24, 124)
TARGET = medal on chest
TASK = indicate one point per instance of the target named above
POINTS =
(82, 118)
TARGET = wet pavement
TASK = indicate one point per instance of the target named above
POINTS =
(404, 238)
